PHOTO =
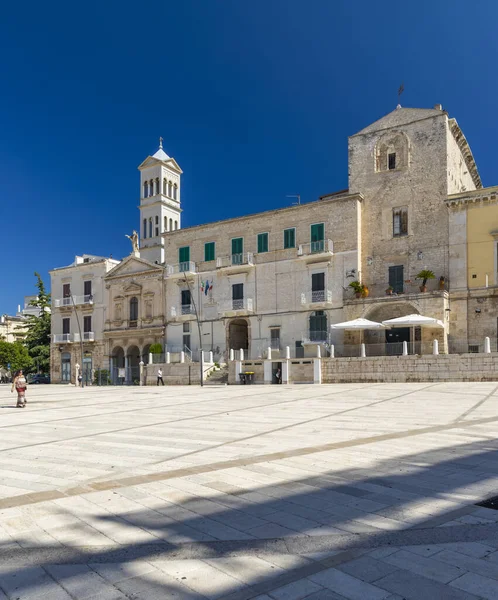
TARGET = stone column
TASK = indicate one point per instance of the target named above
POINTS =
(141, 364)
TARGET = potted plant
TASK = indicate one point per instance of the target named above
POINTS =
(389, 291)
(358, 288)
(425, 275)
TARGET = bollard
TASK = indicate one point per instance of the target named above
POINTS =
(268, 353)
(211, 358)
(182, 356)
(287, 352)
(487, 345)
(241, 354)
(435, 347)
(318, 352)
(151, 359)
(405, 348)
(363, 354)
(332, 351)
(231, 354)
(141, 365)
(168, 358)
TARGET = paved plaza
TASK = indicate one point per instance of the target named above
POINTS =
(358, 491)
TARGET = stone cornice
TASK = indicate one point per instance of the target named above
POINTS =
(461, 140)
(488, 195)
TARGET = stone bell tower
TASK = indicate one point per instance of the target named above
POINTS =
(160, 212)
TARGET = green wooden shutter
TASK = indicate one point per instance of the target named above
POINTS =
(262, 242)
(237, 245)
(290, 238)
(209, 251)
(184, 254)
(317, 232)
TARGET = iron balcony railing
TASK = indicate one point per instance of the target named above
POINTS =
(242, 304)
(316, 296)
(316, 247)
(312, 336)
(184, 309)
(179, 268)
(68, 301)
(245, 258)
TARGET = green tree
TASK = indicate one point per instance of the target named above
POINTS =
(37, 339)
(14, 356)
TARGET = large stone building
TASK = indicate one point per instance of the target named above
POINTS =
(281, 278)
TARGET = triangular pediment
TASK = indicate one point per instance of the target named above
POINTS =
(399, 117)
(150, 161)
(133, 287)
(133, 265)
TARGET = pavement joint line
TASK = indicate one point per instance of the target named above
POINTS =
(168, 422)
(82, 489)
(478, 404)
(295, 546)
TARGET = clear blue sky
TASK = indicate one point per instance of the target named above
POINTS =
(255, 100)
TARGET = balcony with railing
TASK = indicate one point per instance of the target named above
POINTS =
(316, 298)
(237, 307)
(315, 337)
(183, 312)
(236, 263)
(88, 336)
(181, 269)
(314, 251)
(68, 301)
(63, 338)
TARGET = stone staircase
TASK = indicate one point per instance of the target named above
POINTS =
(218, 377)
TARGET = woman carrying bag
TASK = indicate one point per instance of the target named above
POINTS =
(20, 384)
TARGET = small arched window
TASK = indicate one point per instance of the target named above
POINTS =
(176, 224)
(175, 192)
(171, 224)
(146, 189)
(145, 228)
(151, 187)
(170, 189)
(157, 225)
(150, 227)
(165, 186)
(165, 223)
(157, 220)
(134, 309)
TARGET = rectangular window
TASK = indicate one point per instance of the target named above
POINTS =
(184, 257)
(237, 250)
(186, 341)
(186, 302)
(209, 251)
(87, 288)
(157, 231)
(290, 238)
(262, 242)
(66, 326)
(237, 296)
(318, 287)
(400, 222)
(317, 237)
(396, 278)
(66, 290)
(87, 324)
(391, 161)
(275, 338)
(186, 327)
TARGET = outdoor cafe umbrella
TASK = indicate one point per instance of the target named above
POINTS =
(359, 325)
(414, 321)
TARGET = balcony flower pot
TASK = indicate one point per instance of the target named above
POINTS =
(424, 275)
(389, 291)
(358, 289)
(366, 292)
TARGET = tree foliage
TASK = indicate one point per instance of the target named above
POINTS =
(14, 356)
(37, 339)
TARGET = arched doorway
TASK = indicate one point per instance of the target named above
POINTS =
(133, 356)
(65, 367)
(145, 354)
(390, 341)
(87, 368)
(117, 365)
(238, 335)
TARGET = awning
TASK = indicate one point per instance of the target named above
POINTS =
(414, 321)
(359, 325)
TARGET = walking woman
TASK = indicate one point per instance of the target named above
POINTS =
(20, 385)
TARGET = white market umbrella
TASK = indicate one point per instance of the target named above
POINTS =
(359, 325)
(414, 321)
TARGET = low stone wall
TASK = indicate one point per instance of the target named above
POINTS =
(400, 369)
(174, 374)
(301, 370)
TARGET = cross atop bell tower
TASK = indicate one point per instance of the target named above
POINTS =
(160, 212)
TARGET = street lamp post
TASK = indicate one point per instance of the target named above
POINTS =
(81, 341)
(201, 357)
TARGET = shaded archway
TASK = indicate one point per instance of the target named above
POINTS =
(238, 335)
(117, 363)
(392, 310)
(145, 354)
(133, 358)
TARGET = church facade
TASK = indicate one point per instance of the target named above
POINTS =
(281, 278)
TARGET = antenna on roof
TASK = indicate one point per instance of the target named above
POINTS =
(401, 89)
(298, 196)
